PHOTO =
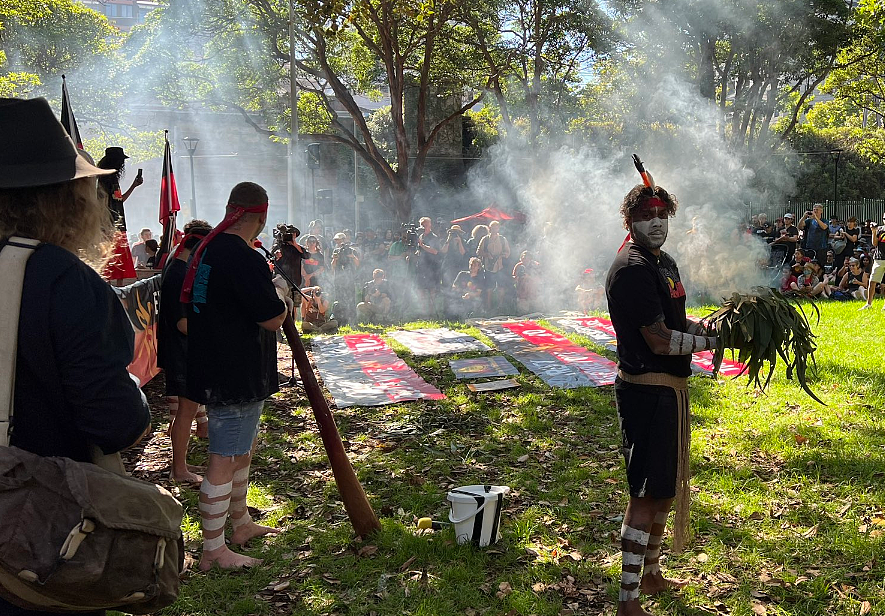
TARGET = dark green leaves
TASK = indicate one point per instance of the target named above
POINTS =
(762, 326)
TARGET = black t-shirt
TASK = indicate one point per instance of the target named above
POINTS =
(313, 262)
(74, 344)
(171, 343)
(464, 282)
(383, 288)
(851, 237)
(643, 289)
(111, 186)
(790, 231)
(290, 262)
(231, 359)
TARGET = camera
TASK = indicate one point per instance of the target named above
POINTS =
(410, 236)
(342, 252)
(285, 233)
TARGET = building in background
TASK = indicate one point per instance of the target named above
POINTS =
(124, 14)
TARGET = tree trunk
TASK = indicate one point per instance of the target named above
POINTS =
(706, 74)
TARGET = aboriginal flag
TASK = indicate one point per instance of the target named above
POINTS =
(169, 205)
(67, 115)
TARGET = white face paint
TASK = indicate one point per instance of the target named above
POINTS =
(650, 233)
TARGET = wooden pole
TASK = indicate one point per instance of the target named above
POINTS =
(362, 517)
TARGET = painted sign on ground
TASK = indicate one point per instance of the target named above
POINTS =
(361, 370)
(482, 367)
(603, 332)
(436, 341)
(556, 359)
(493, 385)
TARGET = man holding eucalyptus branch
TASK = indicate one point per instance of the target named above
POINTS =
(646, 301)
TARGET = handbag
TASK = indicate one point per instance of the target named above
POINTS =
(76, 537)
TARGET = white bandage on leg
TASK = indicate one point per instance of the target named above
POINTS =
(632, 559)
(628, 578)
(213, 523)
(239, 509)
(214, 543)
(215, 508)
(628, 595)
(686, 344)
(633, 534)
(214, 515)
(652, 569)
(213, 491)
(172, 403)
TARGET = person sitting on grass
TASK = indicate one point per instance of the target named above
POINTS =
(376, 298)
(315, 313)
(468, 290)
(808, 285)
(855, 281)
(790, 279)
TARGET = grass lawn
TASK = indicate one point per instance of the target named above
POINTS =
(787, 515)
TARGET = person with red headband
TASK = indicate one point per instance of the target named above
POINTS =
(232, 321)
(646, 301)
(172, 352)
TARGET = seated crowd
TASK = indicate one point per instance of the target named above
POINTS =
(821, 257)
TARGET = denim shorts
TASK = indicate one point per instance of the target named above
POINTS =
(233, 427)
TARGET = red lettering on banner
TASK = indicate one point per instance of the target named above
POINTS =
(598, 369)
(388, 372)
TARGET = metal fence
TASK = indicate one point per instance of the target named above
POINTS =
(863, 209)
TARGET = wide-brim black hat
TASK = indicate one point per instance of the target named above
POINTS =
(36, 150)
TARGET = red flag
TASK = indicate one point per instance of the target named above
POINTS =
(67, 115)
(168, 205)
(168, 191)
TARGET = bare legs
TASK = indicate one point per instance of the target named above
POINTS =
(180, 433)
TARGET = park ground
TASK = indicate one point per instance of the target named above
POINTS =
(788, 511)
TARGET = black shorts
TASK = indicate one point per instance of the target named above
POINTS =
(648, 416)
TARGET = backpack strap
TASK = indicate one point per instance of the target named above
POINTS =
(13, 258)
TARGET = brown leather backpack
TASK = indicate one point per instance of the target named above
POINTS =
(76, 537)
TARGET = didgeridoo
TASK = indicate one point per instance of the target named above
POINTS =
(360, 512)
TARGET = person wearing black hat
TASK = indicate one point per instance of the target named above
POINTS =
(72, 391)
(115, 159)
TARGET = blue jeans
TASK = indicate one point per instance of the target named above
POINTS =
(233, 427)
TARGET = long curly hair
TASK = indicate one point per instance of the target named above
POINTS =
(641, 193)
(71, 215)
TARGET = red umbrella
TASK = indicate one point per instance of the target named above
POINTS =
(489, 214)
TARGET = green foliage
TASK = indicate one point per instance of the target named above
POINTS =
(861, 164)
(43, 39)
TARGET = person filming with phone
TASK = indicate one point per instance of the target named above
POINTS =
(817, 233)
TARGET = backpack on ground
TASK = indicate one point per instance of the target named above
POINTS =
(76, 537)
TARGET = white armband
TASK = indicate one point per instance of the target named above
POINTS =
(686, 344)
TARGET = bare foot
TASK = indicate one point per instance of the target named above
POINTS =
(631, 608)
(656, 583)
(196, 468)
(250, 531)
(225, 559)
(186, 477)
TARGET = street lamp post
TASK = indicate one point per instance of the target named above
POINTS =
(191, 143)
